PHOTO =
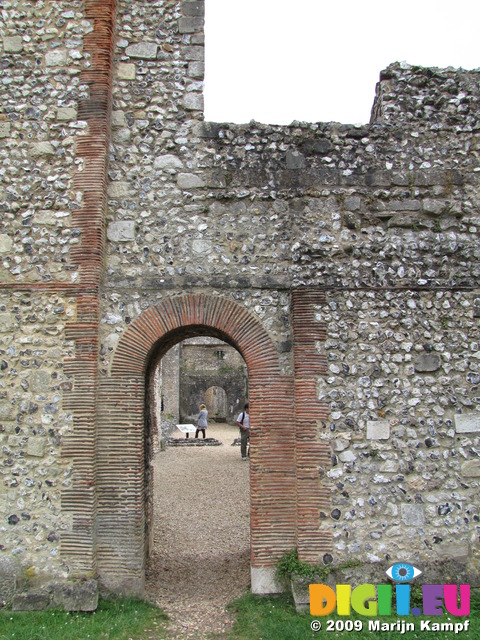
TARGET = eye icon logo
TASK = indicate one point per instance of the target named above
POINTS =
(402, 572)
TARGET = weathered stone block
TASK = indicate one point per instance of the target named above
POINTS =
(193, 102)
(39, 149)
(295, 160)
(36, 447)
(10, 573)
(459, 552)
(66, 113)
(122, 135)
(56, 58)
(353, 203)
(194, 9)
(190, 24)
(193, 53)
(143, 50)
(203, 247)
(378, 430)
(264, 580)
(427, 362)
(4, 129)
(12, 44)
(32, 601)
(196, 69)
(405, 205)
(6, 243)
(45, 216)
(6, 322)
(40, 381)
(118, 189)
(121, 231)
(412, 515)
(118, 119)
(77, 596)
(126, 71)
(434, 207)
(189, 181)
(471, 469)
(168, 163)
(467, 422)
(7, 412)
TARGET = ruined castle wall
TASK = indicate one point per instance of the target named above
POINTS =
(382, 218)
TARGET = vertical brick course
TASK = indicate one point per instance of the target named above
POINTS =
(79, 545)
(311, 453)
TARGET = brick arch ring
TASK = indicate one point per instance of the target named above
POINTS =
(226, 318)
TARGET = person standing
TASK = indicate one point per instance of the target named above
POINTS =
(202, 421)
(243, 422)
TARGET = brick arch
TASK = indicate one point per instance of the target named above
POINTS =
(195, 314)
(122, 415)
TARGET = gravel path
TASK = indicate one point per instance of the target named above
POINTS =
(201, 558)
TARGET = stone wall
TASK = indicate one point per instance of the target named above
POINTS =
(340, 260)
(402, 387)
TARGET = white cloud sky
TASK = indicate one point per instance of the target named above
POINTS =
(275, 61)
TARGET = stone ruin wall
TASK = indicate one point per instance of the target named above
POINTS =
(201, 372)
(382, 217)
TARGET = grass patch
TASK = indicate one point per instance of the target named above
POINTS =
(113, 620)
(275, 617)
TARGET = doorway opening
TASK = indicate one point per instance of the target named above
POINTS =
(197, 498)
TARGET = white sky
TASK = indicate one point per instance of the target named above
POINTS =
(275, 61)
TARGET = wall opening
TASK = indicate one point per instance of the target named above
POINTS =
(125, 443)
(197, 525)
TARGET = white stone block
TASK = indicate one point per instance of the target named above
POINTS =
(143, 50)
(378, 430)
(121, 231)
(193, 102)
(66, 113)
(413, 515)
(12, 44)
(189, 181)
(118, 189)
(467, 422)
(168, 162)
(6, 243)
(56, 58)
(263, 580)
(126, 71)
(4, 129)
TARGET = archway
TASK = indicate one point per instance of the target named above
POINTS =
(122, 461)
(215, 399)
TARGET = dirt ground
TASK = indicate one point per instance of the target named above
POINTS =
(201, 553)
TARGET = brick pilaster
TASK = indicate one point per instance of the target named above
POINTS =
(312, 454)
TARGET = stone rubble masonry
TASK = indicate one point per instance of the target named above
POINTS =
(341, 260)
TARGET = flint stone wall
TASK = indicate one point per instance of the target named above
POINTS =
(383, 218)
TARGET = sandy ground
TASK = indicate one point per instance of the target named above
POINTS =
(201, 534)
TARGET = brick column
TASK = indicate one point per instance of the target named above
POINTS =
(79, 544)
(312, 453)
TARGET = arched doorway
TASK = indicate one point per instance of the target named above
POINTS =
(123, 429)
(215, 399)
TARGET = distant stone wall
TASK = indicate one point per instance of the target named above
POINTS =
(342, 261)
(201, 369)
